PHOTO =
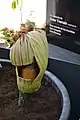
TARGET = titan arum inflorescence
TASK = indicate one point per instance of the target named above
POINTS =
(30, 48)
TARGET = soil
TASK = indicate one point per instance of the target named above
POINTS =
(44, 104)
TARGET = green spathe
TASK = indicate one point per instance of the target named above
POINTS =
(30, 45)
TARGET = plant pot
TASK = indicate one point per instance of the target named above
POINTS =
(9, 98)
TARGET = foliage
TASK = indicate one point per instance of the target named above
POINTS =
(15, 3)
(30, 24)
(7, 34)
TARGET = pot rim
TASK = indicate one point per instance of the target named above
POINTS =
(65, 100)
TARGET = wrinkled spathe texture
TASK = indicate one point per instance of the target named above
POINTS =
(32, 44)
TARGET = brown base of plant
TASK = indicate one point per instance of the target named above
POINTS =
(28, 72)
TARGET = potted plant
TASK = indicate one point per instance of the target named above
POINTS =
(28, 54)
(50, 102)
(28, 80)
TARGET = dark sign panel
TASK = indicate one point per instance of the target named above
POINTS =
(63, 24)
(60, 27)
(63, 17)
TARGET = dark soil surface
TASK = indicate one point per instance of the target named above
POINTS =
(44, 105)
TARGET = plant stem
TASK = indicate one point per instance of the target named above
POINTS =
(21, 11)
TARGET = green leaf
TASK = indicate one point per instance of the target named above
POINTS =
(13, 5)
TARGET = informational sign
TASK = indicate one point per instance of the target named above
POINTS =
(60, 27)
(63, 24)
